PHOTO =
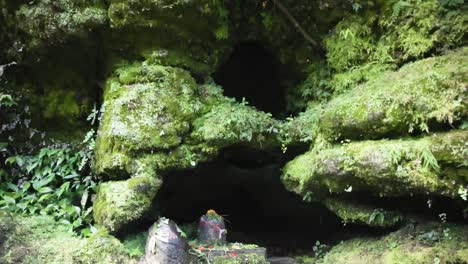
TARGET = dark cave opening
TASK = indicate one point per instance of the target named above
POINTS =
(252, 72)
(248, 192)
(244, 186)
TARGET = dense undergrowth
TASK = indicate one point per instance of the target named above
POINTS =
(53, 180)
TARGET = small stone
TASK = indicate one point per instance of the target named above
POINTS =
(165, 244)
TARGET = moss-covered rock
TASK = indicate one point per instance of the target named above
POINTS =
(121, 202)
(229, 123)
(147, 108)
(39, 239)
(426, 243)
(384, 167)
(54, 22)
(243, 259)
(188, 34)
(362, 214)
(430, 90)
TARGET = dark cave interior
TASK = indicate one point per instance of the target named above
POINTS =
(245, 187)
(252, 72)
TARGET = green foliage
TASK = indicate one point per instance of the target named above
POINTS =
(302, 128)
(390, 34)
(222, 31)
(54, 22)
(6, 101)
(319, 249)
(316, 87)
(135, 244)
(56, 181)
(362, 213)
(351, 43)
(230, 122)
(377, 217)
(428, 159)
(61, 103)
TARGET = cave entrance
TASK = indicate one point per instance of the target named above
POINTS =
(251, 197)
(252, 72)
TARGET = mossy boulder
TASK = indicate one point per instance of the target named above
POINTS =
(49, 22)
(121, 202)
(355, 212)
(39, 239)
(418, 98)
(147, 108)
(232, 123)
(423, 243)
(419, 95)
(390, 168)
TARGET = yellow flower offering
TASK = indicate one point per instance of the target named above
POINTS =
(211, 212)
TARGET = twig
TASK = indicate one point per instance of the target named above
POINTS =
(295, 23)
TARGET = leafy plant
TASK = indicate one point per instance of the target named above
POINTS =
(377, 217)
(6, 100)
(430, 237)
(56, 181)
(428, 160)
(319, 249)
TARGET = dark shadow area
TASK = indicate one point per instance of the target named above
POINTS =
(244, 185)
(252, 72)
(247, 190)
(414, 207)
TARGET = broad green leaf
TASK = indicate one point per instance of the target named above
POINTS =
(84, 199)
(26, 186)
(44, 197)
(45, 190)
(9, 200)
(13, 187)
(10, 160)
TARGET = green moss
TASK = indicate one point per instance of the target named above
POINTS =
(394, 32)
(360, 213)
(302, 128)
(184, 34)
(241, 259)
(230, 123)
(135, 244)
(430, 90)
(61, 103)
(384, 167)
(54, 22)
(404, 246)
(121, 202)
(39, 239)
(315, 87)
(181, 59)
(147, 107)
